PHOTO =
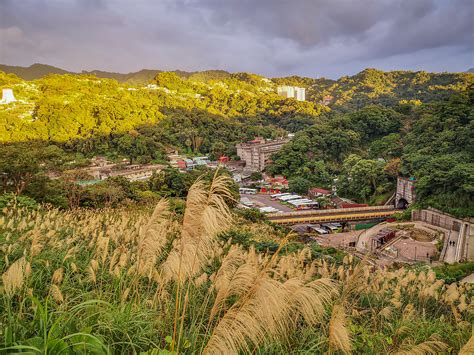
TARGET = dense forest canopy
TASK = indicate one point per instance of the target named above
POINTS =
(358, 132)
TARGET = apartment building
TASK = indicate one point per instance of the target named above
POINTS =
(257, 152)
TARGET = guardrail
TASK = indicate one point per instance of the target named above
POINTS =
(331, 211)
(315, 218)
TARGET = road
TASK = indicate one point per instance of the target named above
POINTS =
(265, 200)
(450, 256)
(469, 279)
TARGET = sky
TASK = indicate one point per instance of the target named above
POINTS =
(315, 38)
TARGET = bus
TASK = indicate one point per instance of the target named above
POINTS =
(308, 206)
(289, 197)
(275, 196)
(246, 191)
(299, 201)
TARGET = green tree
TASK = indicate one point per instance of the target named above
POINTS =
(299, 185)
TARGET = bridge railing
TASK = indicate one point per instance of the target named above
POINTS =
(329, 211)
(357, 216)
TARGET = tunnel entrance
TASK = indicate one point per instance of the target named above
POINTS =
(402, 204)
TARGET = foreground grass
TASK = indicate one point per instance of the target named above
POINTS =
(454, 272)
(120, 282)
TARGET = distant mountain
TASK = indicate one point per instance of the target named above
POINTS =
(35, 71)
(38, 71)
(138, 77)
(470, 70)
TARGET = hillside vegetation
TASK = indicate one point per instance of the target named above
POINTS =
(368, 148)
(115, 281)
(375, 126)
(372, 86)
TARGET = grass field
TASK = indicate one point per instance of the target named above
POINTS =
(120, 281)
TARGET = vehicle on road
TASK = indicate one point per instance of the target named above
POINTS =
(275, 196)
(289, 198)
(269, 209)
(247, 191)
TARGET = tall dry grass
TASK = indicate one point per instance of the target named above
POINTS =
(164, 281)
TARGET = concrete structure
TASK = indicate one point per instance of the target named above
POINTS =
(459, 243)
(292, 92)
(334, 215)
(256, 153)
(130, 172)
(405, 194)
(7, 96)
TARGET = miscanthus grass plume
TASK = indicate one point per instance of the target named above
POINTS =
(126, 281)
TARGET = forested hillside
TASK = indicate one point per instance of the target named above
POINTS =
(362, 130)
(368, 148)
(373, 86)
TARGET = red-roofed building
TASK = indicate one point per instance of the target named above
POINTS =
(318, 192)
(181, 164)
(277, 181)
(223, 159)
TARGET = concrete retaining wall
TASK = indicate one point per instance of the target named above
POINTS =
(465, 227)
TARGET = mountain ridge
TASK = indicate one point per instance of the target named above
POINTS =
(39, 70)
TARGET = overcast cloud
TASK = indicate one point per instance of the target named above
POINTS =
(272, 37)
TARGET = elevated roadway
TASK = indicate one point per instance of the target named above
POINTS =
(332, 215)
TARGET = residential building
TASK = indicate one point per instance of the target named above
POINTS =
(201, 160)
(180, 164)
(294, 92)
(7, 96)
(190, 164)
(318, 192)
(223, 159)
(257, 152)
(326, 100)
(177, 161)
(277, 182)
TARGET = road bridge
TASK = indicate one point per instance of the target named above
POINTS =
(333, 215)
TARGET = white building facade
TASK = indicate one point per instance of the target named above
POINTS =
(294, 92)
(7, 96)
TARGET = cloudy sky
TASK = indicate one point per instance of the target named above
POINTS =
(272, 37)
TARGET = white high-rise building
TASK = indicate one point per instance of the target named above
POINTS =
(293, 92)
(7, 96)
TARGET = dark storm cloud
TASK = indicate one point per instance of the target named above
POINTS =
(273, 37)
